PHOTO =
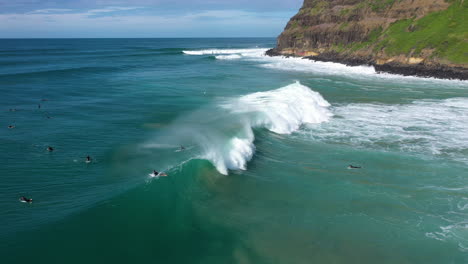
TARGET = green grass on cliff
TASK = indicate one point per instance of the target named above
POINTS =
(446, 32)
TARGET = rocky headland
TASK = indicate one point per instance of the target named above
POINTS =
(411, 37)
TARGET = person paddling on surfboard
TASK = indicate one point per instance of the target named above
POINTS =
(353, 167)
(156, 174)
(50, 149)
(25, 200)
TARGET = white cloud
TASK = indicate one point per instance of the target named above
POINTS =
(50, 11)
(104, 23)
(112, 9)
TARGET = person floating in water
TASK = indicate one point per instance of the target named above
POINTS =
(50, 149)
(11, 126)
(39, 106)
(182, 148)
(88, 159)
(353, 167)
(25, 200)
(157, 174)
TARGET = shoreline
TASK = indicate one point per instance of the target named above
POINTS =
(418, 70)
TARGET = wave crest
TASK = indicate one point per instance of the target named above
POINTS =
(282, 111)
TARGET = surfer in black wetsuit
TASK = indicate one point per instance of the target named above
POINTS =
(155, 173)
(11, 126)
(26, 200)
(88, 159)
(353, 167)
(50, 149)
(182, 148)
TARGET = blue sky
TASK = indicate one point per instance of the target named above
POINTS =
(144, 18)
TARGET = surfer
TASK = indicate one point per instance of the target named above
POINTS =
(50, 149)
(182, 148)
(39, 106)
(157, 174)
(88, 159)
(25, 200)
(11, 126)
(353, 167)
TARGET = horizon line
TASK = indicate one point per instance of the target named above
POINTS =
(137, 37)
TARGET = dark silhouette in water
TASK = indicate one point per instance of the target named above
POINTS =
(25, 200)
(50, 149)
(354, 167)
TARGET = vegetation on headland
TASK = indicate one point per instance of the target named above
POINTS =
(445, 33)
(434, 30)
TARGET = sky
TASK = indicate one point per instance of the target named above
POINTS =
(144, 18)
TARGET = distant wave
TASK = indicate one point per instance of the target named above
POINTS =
(309, 66)
(251, 52)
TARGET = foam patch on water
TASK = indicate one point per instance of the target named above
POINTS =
(228, 57)
(432, 127)
(252, 52)
(457, 232)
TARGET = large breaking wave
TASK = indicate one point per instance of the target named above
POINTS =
(223, 133)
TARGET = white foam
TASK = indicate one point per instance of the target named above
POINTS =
(432, 127)
(253, 52)
(281, 111)
(314, 67)
(228, 57)
(232, 155)
(455, 232)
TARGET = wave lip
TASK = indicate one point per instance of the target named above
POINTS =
(284, 110)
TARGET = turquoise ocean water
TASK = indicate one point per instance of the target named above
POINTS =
(263, 177)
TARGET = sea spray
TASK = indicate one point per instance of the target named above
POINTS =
(283, 110)
(223, 132)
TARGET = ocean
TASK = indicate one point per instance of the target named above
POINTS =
(256, 150)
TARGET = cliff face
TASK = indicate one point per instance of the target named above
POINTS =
(417, 37)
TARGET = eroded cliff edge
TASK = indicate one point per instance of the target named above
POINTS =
(410, 37)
